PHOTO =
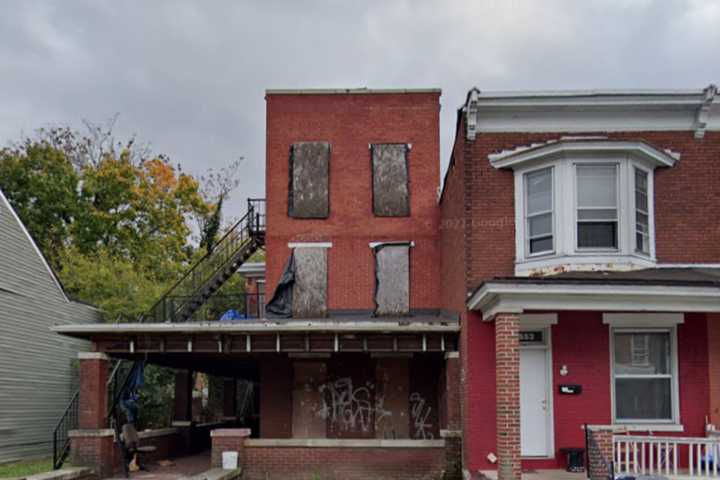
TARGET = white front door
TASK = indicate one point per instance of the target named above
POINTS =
(534, 406)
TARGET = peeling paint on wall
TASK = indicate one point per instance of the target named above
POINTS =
(309, 180)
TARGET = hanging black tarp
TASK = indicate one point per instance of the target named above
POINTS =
(280, 305)
(131, 392)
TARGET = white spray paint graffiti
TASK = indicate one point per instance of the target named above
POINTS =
(350, 408)
(420, 413)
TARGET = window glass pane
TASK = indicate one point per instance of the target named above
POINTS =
(643, 399)
(540, 224)
(544, 244)
(642, 353)
(596, 186)
(597, 235)
(642, 231)
(539, 191)
(604, 214)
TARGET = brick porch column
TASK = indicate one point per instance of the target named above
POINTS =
(452, 432)
(600, 452)
(92, 444)
(93, 390)
(507, 391)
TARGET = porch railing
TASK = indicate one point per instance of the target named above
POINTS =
(61, 434)
(224, 307)
(681, 457)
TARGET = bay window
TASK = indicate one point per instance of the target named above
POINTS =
(583, 204)
(644, 382)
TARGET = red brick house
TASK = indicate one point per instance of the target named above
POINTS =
(580, 241)
(355, 361)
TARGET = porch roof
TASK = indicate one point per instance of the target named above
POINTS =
(392, 326)
(679, 289)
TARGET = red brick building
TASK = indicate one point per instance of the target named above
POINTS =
(355, 362)
(567, 276)
(579, 241)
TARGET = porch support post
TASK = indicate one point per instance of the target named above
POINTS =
(507, 391)
(230, 398)
(91, 445)
(93, 390)
(452, 433)
(183, 395)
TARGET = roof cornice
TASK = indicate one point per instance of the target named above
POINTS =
(593, 111)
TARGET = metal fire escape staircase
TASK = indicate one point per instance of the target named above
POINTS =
(178, 304)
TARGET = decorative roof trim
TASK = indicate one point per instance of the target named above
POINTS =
(523, 154)
(703, 114)
(593, 111)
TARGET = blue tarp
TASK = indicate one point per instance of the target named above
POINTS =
(131, 393)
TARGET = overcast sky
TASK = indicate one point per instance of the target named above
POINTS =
(189, 76)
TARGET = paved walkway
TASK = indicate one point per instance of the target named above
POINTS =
(181, 467)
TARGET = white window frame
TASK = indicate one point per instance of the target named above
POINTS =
(552, 212)
(618, 200)
(650, 213)
(674, 382)
(565, 251)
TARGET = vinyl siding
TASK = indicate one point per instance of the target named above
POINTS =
(37, 366)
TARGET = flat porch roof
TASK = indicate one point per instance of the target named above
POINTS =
(648, 290)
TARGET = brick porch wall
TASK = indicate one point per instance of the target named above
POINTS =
(301, 463)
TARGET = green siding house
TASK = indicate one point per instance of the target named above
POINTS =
(36, 365)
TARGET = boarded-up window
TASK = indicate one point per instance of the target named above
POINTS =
(309, 296)
(390, 180)
(309, 183)
(392, 279)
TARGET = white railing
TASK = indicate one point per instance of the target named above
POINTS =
(679, 457)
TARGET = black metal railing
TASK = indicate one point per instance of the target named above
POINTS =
(219, 307)
(61, 434)
(248, 232)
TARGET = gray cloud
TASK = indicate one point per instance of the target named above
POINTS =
(189, 76)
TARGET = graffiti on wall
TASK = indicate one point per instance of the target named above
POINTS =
(420, 413)
(357, 408)
(351, 408)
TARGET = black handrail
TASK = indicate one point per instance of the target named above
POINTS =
(61, 434)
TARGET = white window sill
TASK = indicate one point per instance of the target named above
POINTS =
(552, 264)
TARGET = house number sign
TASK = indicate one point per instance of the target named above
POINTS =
(532, 337)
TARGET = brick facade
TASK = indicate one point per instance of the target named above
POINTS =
(507, 388)
(350, 123)
(228, 440)
(301, 463)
